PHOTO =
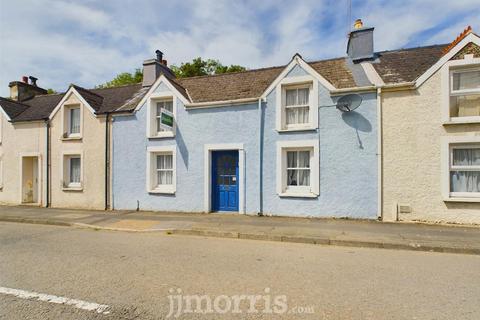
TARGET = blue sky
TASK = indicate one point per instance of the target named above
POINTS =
(89, 42)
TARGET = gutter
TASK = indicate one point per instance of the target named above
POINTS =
(222, 103)
(355, 89)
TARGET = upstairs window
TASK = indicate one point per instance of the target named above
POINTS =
(73, 121)
(297, 106)
(465, 93)
(296, 102)
(161, 111)
(165, 105)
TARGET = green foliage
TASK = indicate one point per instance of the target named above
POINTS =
(197, 67)
(123, 79)
(51, 91)
(200, 67)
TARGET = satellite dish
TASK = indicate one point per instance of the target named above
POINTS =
(349, 102)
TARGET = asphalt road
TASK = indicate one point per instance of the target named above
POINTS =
(134, 274)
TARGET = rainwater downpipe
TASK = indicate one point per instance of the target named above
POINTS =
(47, 163)
(260, 157)
(107, 158)
(379, 154)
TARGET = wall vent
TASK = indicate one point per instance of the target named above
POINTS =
(404, 208)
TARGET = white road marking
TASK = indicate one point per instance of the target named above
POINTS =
(80, 304)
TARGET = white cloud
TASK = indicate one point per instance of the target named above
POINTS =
(88, 42)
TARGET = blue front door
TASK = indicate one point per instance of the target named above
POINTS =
(225, 181)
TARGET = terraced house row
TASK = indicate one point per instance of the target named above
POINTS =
(265, 141)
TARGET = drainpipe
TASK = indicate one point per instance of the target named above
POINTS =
(107, 158)
(47, 161)
(379, 154)
(260, 157)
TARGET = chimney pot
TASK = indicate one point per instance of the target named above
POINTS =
(164, 62)
(25, 79)
(159, 55)
(358, 24)
(33, 80)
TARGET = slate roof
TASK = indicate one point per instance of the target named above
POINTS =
(396, 66)
(12, 108)
(41, 106)
(406, 65)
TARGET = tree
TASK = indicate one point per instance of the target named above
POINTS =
(123, 79)
(197, 67)
(200, 67)
(51, 91)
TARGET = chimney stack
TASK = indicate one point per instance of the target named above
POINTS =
(360, 43)
(22, 90)
(153, 68)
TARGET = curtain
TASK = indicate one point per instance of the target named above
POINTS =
(75, 120)
(466, 80)
(297, 97)
(75, 170)
(467, 106)
(291, 97)
(298, 164)
(302, 97)
(164, 169)
(167, 105)
(465, 181)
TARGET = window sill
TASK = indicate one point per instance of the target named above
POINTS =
(72, 188)
(162, 191)
(297, 195)
(162, 135)
(454, 121)
(297, 129)
(71, 138)
(461, 199)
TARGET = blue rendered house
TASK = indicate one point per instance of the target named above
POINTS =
(261, 141)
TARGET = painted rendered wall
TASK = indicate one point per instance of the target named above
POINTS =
(412, 133)
(348, 172)
(348, 160)
(92, 148)
(19, 139)
(195, 128)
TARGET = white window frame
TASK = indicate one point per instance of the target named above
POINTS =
(151, 114)
(311, 191)
(67, 125)
(448, 145)
(448, 69)
(65, 171)
(294, 83)
(152, 153)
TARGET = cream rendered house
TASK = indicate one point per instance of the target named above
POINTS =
(55, 149)
(430, 142)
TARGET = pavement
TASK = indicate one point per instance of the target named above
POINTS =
(53, 272)
(342, 232)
